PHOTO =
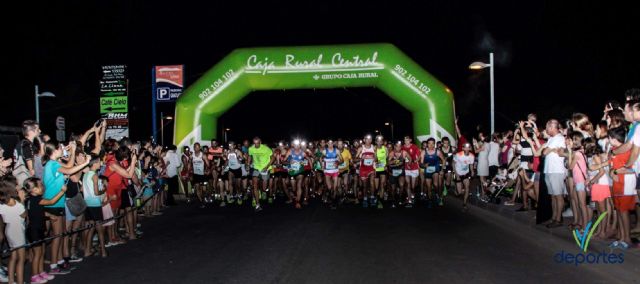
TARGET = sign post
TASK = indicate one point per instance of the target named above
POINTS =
(167, 85)
(114, 100)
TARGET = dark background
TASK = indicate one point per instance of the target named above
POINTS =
(553, 58)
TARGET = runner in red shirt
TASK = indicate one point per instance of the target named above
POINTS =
(367, 156)
(411, 167)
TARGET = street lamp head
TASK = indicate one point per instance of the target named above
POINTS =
(386, 123)
(478, 65)
(168, 117)
(47, 94)
(228, 129)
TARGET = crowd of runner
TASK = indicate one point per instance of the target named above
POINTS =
(372, 172)
(92, 191)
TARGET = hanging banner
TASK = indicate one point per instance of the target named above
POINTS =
(168, 82)
(114, 100)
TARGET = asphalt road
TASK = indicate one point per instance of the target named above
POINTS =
(317, 245)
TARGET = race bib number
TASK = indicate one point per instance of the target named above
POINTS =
(396, 172)
(295, 167)
(380, 165)
(431, 170)
(368, 162)
(465, 168)
(233, 164)
(343, 165)
(330, 165)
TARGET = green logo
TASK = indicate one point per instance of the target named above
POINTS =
(582, 239)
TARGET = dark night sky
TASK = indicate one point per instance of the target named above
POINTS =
(553, 58)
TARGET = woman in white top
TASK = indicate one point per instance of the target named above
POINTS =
(482, 150)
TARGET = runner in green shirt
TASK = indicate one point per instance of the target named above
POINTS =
(260, 158)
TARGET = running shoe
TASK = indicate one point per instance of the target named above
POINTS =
(380, 206)
(445, 192)
(258, 208)
(231, 201)
(298, 206)
(429, 204)
(74, 258)
(223, 204)
(365, 203)
(240, 201)
(3, 278)
(408, 205)
(253, 203)
(615, 244)
(59, 271)
(46, 276)
(36, 279)
(270, 200)
(440, 202)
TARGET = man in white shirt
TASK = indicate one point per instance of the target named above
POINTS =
(555, 171)
(494, 153)
(172, 161)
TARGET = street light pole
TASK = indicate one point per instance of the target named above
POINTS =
(390, 124)
(162, 129)
(37, 106)
(478, 66)
(38, 95)
(493, 113)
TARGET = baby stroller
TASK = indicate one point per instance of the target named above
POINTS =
(502, 184)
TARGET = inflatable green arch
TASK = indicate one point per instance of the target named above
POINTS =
(335, 66)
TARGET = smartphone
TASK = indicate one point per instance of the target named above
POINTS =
(97, 124)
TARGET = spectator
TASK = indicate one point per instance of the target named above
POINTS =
(172, 162)
(13, 214)
(555, 172)
(54, 181)
(494, 154)
(37, 226)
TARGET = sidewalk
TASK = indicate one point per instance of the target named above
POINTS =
(528, 218)
(560, 238)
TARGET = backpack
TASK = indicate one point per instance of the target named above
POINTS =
(20, 170)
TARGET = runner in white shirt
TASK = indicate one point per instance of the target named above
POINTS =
(463, 167)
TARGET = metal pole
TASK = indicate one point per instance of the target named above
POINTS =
(392, 136)
(154, 127)
(37, 107)
(493, 113)
(161, 128)
(225, 136)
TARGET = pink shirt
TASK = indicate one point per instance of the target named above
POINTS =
(580, 169)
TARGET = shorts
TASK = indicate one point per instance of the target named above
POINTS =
(536, 176)
(35, 233)
(263, 175)
(281, 174)
(555, 183)
(125, 199)
(344, 173)
(381, 173)
(67, 214)
(333, 175)
(55, 211)
(366, 172)
(93, 214)
(199, 179)
(394, 179)
(624, 203)
(236, 173)
(430, 175)
(148, 192)
(600, 192)
(580, 186)
(411, 173)
(245, 173)
(460, 178)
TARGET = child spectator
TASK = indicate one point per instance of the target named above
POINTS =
(13, 214)
(37, 225)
